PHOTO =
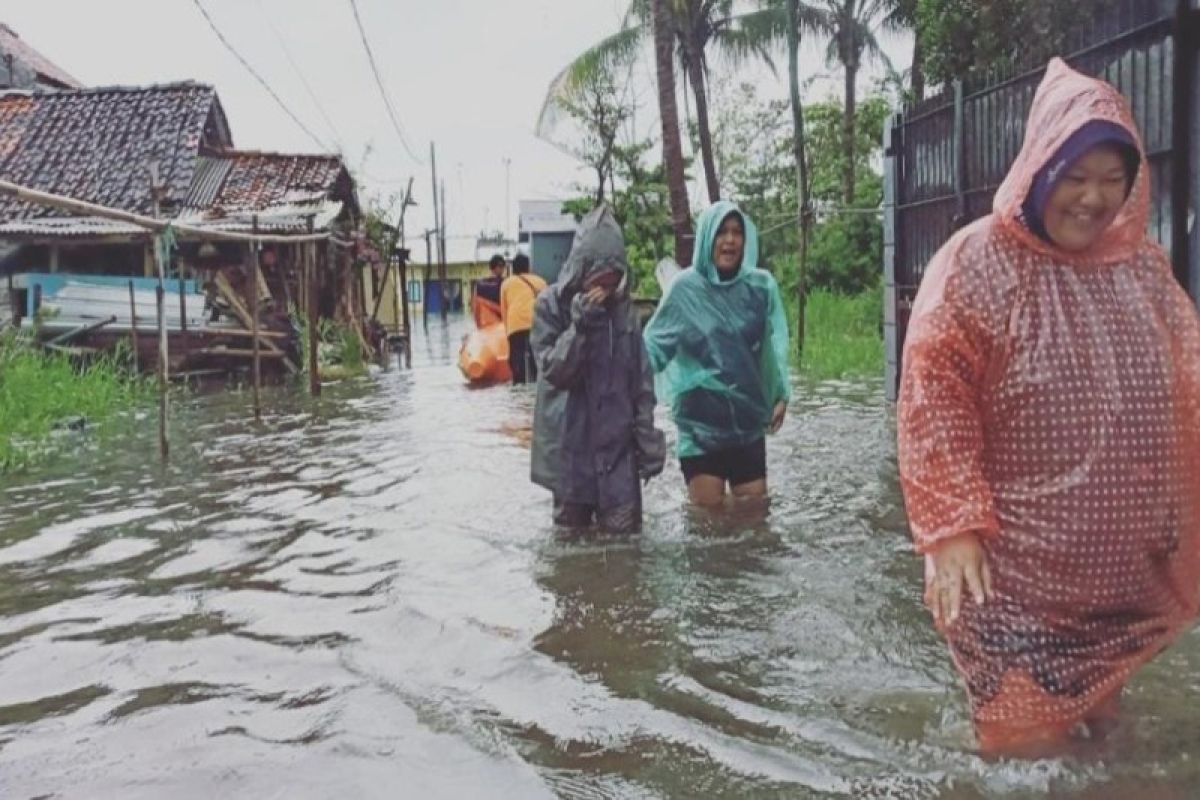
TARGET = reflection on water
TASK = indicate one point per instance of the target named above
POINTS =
(363, 596)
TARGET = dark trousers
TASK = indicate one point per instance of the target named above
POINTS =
(622, 519)
(520, 358)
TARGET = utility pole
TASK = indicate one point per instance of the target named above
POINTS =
(507, 207)
(437, 222)
(442, 255)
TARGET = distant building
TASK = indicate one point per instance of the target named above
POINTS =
(545, 233)
(22, 67)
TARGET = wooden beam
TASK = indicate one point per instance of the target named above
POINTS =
(243, 314)
(182, 230)
(239, 352)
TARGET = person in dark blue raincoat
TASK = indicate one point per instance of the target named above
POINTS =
(594, 438)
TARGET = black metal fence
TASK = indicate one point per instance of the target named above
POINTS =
(945, 157)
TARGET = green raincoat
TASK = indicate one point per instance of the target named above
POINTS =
(719, 349)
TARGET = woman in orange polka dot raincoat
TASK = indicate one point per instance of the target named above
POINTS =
(1049, 430)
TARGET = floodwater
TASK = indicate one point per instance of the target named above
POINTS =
(362, 597)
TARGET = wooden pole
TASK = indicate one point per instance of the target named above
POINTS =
(403, 268)
(86, 209)
(257, 365)
(156, 190)
(13, 308)
(310, 269)
(133, 340)
(182, 303)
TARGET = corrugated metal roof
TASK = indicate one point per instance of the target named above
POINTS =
(207, 182)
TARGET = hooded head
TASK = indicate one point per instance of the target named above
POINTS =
(597, 255)
(704, 256)
(1074, 121)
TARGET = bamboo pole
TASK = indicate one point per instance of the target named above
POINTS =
(133, 342)
(160, 296)
(182, 304)
(310, 271)
(254, 340)
(149, 223)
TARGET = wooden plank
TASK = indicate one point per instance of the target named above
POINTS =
(217, 332)
(238, 352)
(243, 314)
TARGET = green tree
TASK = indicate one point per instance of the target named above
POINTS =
(957, 36)
(601, 112)
(691, 29)
(640, 203)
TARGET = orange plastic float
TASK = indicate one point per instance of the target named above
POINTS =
(483, 357)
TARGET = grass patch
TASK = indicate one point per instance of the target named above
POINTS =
(842, 334)
(339, 350)
(40, 391)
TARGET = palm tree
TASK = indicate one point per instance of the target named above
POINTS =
(850, 25)
(693, 26)
(796, 15)
(681, 218)
(902, 16)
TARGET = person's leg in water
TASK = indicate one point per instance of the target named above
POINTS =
(517, 345)
(744, 469)
(572, 515)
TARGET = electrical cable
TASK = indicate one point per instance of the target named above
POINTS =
(387, 103)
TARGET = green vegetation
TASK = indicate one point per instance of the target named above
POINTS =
(41, 392)
(340, 352)
(842, 335)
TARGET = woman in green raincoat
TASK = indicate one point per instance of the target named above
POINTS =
(718, 345)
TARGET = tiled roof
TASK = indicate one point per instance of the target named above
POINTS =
(246, 181)
(46, 70)
(95, 144)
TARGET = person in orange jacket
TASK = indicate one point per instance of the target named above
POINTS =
(517, 295)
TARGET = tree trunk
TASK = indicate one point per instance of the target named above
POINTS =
(681, 218)
(696, 78)
(848, 125)
(918, 69)
(803, 214)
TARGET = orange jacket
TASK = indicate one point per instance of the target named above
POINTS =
(517, 295)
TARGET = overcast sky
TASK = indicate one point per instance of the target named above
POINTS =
(467, 74)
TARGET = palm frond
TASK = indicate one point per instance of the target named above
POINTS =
(755, 34)
(611, 53)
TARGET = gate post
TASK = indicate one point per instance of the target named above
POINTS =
(893, 339)
(960, 156)
(1185, 200)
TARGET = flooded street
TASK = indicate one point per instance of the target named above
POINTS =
(363, 597)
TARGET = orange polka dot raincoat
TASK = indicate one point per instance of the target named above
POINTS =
(1050, 403)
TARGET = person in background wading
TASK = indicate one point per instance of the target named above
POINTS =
(594, 439)
(517, 296)
(485, 305)
(1049, 431)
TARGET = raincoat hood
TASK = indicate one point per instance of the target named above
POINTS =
(706, 236)
(1065, 102)
(598, 243)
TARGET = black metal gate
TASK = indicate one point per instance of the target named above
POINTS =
(945, 157)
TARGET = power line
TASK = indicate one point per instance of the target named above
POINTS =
(257, 77)
(387, 103)
(300, 74)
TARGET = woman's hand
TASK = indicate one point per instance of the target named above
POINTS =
(777, 415)
(956, 561)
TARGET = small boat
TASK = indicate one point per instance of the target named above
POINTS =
(483, 357)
